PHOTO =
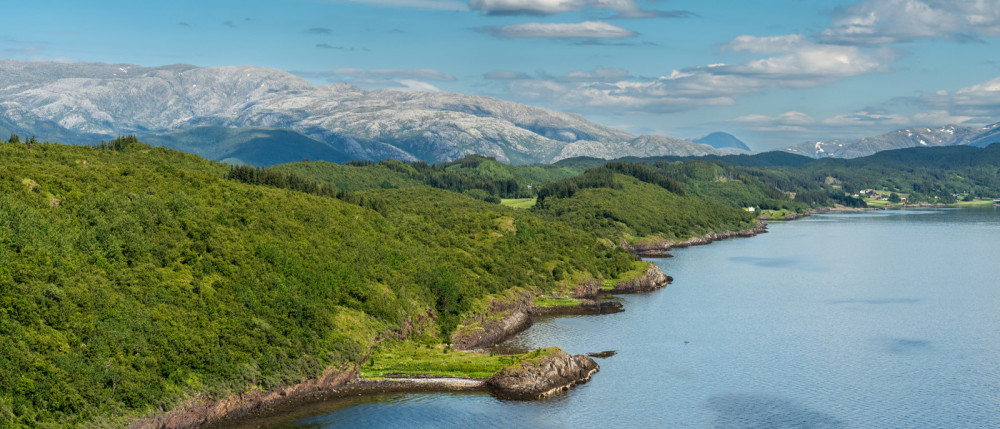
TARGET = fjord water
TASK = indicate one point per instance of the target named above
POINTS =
(880, 319)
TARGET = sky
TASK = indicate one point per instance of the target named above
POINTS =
(772, 72)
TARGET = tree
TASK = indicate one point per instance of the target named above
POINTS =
(894, 198)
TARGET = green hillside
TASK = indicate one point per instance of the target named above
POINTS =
(473, 173)
(132, 277)
(254, 146)
(633, 201)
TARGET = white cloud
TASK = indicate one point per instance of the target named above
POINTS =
(988, 89)
(794, 126)
(623, 8)
(526, 7)
(892, 21)
(596, 75)
(791, 117)
(940, 117)
(748, 43)
(800, 63)
(976, 104)
(803, 63)
(581, 30)
(612, 90)
(790, 121)
(877, 119)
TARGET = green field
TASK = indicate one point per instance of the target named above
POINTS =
(519, 203)
(548, 301)
(975, 203)
(412, 358)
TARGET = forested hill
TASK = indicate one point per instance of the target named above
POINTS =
(474, 175)
(946, 158)
(927, 175)
(132, 277)
(763, 159)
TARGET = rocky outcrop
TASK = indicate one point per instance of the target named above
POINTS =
(199, 412)
(650, 280)
(503, 318)
(537, 378)
(716, 236)
(587, 290)
(658, 248)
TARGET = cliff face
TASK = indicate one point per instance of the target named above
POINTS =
(651, 280)
(550, 374)
(504, 317)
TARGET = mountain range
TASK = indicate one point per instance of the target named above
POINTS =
(950, 135)
(263, 116)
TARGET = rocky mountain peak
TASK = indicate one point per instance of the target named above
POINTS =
(185, 106)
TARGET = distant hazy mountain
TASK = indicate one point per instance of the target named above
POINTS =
(950, 135)
(264, 116)
(990, 135)
(721, 140)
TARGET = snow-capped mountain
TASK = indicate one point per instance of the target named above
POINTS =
(949, 135)
(264, 116)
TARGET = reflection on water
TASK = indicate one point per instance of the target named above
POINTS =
(880, 319)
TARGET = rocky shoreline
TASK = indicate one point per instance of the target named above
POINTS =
(660, 248)
(507, 317)
(202, 412)
(553, 373)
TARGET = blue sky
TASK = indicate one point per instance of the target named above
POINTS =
(774, 73)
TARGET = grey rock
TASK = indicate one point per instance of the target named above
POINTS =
(184, 106)
(543, 377)
(950, 135)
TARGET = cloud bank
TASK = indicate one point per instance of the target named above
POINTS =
(544, 30)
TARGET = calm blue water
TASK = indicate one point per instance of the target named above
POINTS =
(887, 319)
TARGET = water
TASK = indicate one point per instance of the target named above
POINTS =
(885, 319)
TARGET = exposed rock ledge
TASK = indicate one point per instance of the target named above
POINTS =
(550, 374)
(651, 280)
(203, 412)
(587, 306)
(659, 248)
(504, 318)
(512, 314)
